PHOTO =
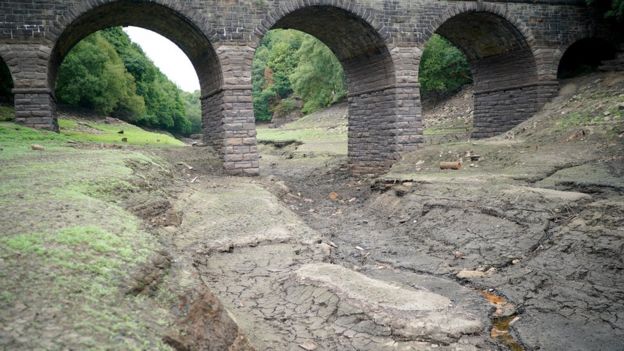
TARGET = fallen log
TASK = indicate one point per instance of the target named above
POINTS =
(451, 165)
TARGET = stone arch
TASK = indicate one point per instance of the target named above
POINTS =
(190, 34)
(361, 45)
(504, 67)
(588, 52)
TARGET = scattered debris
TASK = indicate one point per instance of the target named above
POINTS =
(308, 346)
(333, 196)
(189, 167)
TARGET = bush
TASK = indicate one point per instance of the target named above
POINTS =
(291, 64)
(109, 73)
(443, 68)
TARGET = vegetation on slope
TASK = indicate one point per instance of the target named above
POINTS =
(110, 74)
(68, 247)
(443, 69)
(291, 65)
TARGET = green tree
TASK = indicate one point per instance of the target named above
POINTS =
(290, 63)
(192, 105)
(274, 62)
(443, 68)
(319, 77)
(93, 76)
(112, 75)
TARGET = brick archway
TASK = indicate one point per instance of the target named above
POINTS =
(503, 65)
(359, 43)
(174, 25)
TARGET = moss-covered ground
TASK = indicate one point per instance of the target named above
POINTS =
(67, 244)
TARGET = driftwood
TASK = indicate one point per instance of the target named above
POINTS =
(451, 165)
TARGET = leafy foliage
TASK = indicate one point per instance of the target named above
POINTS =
(93, 76)
(109, 73)
(192, 106)
(319, 77)
(291, 64)
(443, 68)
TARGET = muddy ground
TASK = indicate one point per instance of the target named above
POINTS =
(521, 249)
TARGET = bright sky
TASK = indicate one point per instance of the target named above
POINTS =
(167, 56)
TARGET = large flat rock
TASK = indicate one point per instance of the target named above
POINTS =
(410, 313)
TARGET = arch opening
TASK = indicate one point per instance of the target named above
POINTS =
(584, 56)
(446, 91)
(503, 69)
(299, 87)
(370, 79)
(7, 112)
(6, 84)
(169, 23)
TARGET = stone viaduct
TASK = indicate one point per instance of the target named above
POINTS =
(514, 48)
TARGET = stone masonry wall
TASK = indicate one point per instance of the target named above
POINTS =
(379, 43)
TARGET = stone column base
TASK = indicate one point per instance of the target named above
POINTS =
(36, 108)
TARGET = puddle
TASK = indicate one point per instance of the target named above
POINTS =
(502, 320)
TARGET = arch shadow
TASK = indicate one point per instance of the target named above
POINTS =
(584, 55)
(6, 84)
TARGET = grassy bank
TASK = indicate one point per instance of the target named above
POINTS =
(67, 245)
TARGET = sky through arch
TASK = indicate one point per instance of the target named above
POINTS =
(167, 56)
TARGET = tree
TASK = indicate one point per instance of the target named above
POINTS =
(112, 75)
(319, 77)
(443, 68)
(93, 76)
(291, 64)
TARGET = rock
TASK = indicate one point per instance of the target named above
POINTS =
(309, 346)
(410, 312)
(37, 147)
(333, 196)
(466, 274)
(326, 249)
(401, 190)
